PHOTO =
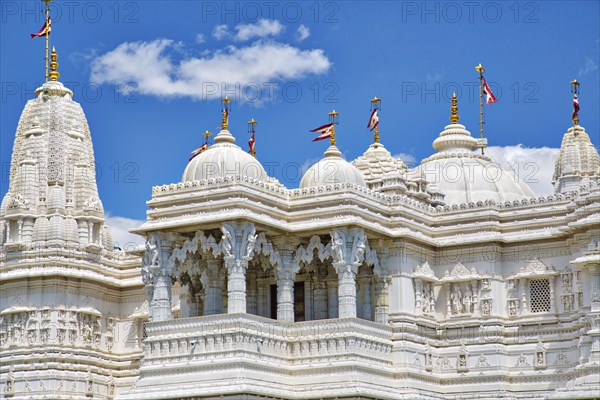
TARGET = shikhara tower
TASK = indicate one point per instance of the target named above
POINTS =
(370, 281)
(62, 284)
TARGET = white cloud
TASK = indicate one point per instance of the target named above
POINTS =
(588, 67)
(533, 165)
(151, 66)
(407, 158)
(200, 38)
(221, 32)
(119, 229)
(263, 28)
(303, 32)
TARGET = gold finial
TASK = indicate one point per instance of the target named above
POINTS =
(454, 110)
(334, 115)
(375, 107)
(251, 142)
(226, 108)
(54, 74)
(206, 135)
(479, 68)
(575, 90)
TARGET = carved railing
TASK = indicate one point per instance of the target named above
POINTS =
(218, 337)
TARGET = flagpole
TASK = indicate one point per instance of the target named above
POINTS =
(479, 68)
(333, 115)
(575, 91)
(376, 104)
(251, 124)
(47, 35)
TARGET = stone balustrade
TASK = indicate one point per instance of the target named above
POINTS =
(214, 337)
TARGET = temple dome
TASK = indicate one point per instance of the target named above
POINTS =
(223, 159)
(330, 170)
(464, 176)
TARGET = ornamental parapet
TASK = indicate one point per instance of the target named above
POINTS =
(217, 337)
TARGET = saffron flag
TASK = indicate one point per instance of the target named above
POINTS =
(373, 120)
(44, 31)
(325, 132)
(489, 96)
(575, 106)
(198, 151)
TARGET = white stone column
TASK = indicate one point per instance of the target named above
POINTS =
(212, 283)
(285, 274)
(348, 247)
(332, 300)
(236, 286)
(367, 309)
(523, 296)
(237, 244)
(382, 302)
(346, 292)
(157, 272)
(320, 297)
(285, 298)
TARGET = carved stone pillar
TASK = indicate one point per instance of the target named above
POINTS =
(187, 301)
(320, 297)
(523, 295)
(475, 288)
(308, 297)
(262, 290)
(366, 309)
(348, 247)
(418, 296)
(252, 292)
(237, 245)
(213, 287)
(552, 294)
(332, 300)
(382, 300)
(285, 298)
(594, 315)
(286, 275)
(157, 272)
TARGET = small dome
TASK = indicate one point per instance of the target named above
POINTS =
(330, 170)
(465, 176)
(222, 159)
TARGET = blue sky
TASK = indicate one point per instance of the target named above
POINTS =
(149, 74)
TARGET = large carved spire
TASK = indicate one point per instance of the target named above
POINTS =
(52, 198)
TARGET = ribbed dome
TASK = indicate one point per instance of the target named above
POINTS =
(465, 176)
(577, 161)
(330, 170)
(222, 159)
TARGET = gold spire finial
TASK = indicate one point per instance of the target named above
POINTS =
(251, 142)
(575, 90)
(206, 135)
(334, 115)
(375, 107)
(226, 108)
(54, 74)
(479, 68)
(454, 110)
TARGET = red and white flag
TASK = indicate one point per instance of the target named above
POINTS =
(45, 29)
(489, 96)
(575, 106)
(325, 132)
(198, 151)
(373, 120)
(251, 144)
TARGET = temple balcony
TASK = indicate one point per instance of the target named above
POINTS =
(244, 353)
